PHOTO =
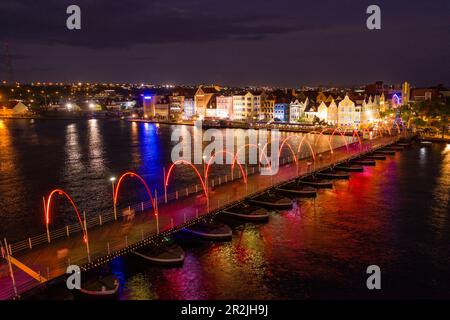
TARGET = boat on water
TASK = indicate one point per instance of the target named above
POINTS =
(426, 143)
(350, 167)
(271, 200)
(403, 144)
(100, 287)
(375, 156)
(385, 152)
(332, 174)
(167, 253)
(296, 190)
(247, 212)
(363, 162)
(316, 182)
(209, 231)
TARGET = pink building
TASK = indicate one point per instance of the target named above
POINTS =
(224, 107)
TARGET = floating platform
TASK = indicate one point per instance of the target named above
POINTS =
(271, 201)
(403, 144)
(332, 174)
(296, 190)
(247, 212)
(385, 152)
(375, 157)
(394, 148)
(167, 254)
(350, 168)
(99, 288)
(316, 183)
(209, 231)
(363, 162)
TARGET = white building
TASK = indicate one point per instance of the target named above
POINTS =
(224, 107)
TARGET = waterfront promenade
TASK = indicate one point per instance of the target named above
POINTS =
(49, 261)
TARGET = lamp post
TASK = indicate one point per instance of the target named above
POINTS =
(113, 179)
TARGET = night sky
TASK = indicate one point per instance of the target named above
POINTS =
(229, 42)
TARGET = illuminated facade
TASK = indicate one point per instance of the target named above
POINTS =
(247, 107)
(267, 107)
(406, 92)
(224, 107)
(204, 99)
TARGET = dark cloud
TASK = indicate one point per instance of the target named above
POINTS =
(281, 42)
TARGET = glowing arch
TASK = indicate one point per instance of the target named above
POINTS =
(338, 129)
(357, 135)
(285, 142)
(47, 209)
(327, 140)
(244, 175)
(310, 147)
(258, 148)
(397, 98)
(134, 175)
(166, 183)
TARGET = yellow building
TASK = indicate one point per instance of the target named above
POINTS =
(406, 91)
(332, 116)
(348, 114)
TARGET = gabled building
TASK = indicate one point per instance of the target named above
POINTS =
(204, 99)
(322, 111)
(13, 108)
(349, 115)
(281, 110)
(332, 115)
(296, 110)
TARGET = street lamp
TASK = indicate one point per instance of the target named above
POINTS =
(69, 106)
(113, 179)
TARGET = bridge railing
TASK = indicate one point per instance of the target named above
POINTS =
(98, 219)
(57, 269)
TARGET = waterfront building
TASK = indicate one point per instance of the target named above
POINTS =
(224, 107)
(281, 110)
(296, 110)
(204, 99)
(322, 111)
(332, 113)
(239, 107)
(253, 100)
(13, 108)
(176, 106)
(188, 107)
(148, 106)
(247, 107)
(310, 112)
(348, 113)
(162, 107)
(156, 107)
(267, 107)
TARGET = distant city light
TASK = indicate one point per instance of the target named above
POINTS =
(147, 97)
(91, 105)
(69, 106)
